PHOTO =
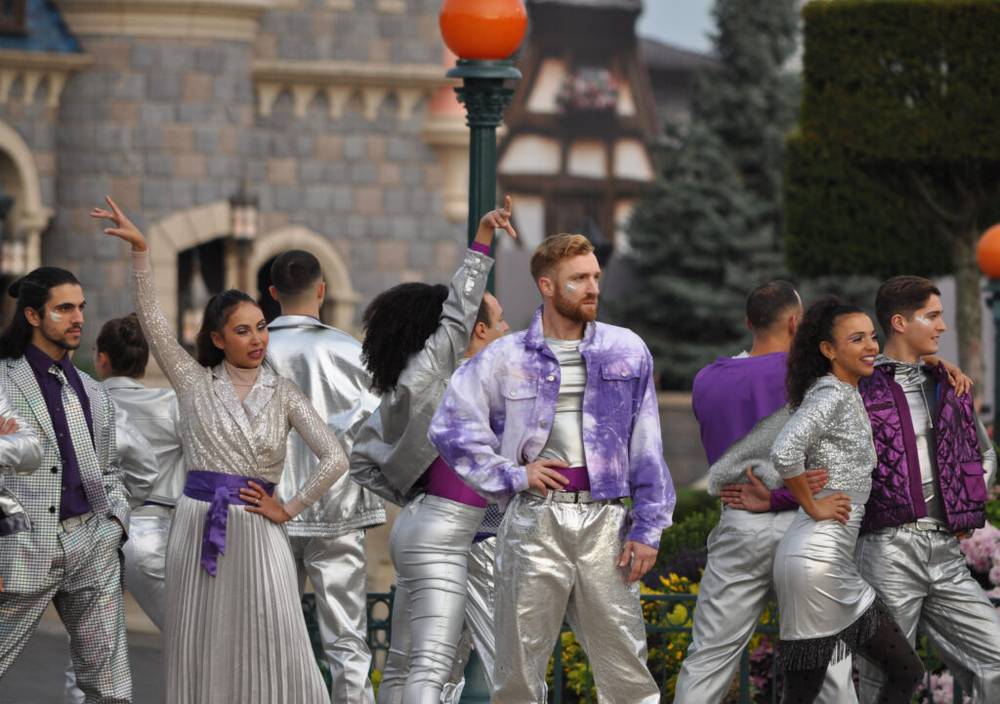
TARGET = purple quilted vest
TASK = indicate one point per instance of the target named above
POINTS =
(896, 495)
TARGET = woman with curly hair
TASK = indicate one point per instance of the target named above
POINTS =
(234, 628)
(416, 335)
(826, 608)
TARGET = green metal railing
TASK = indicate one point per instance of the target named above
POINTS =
(380, 635)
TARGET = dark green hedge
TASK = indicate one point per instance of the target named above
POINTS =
(914, 80)
(842, 218)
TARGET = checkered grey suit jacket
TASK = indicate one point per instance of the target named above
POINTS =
(25, 557)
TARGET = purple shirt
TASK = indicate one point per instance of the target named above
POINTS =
(733, 394)
(497, 413)
(74, 500)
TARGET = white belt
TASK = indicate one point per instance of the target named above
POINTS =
(73, 522)
(565, 497)
(926, 526)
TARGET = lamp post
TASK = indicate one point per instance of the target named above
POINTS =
(243, 227)
(483, 34)
(988, 258)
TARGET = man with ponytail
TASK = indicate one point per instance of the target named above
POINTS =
(77, 502)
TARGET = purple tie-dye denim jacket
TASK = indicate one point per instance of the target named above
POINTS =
(499, 407)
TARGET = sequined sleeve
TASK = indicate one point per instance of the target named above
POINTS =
(819, 408)
(181, 369)
(21, 449)
(322, 440)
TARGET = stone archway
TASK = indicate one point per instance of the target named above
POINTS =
(341, 298)
(19, 174)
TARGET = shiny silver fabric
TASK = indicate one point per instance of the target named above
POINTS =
(391, 450)
(752, 451)
(326, 364)
(479, 630)
(145, 560)
(830, 430)
(556, 559)
(430, 546)
(734, 591)
(337, 569)
(221, 434)
(566, 436)
(923, 579)
(21, 453)
(820, 590)
(154, 414)
(135, 458)
(238, 636)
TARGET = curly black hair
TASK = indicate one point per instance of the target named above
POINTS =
(806, 363)
(397, 324)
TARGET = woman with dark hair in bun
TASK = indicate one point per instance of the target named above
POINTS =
(234, 629)
(826, 608)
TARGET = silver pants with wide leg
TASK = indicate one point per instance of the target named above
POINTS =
(557, 559)
(337, 569)
(734, 591)
(145, 554)
(430, 547)
(923, 579)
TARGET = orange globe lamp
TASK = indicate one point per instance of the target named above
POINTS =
(988, 252)
(484, 30)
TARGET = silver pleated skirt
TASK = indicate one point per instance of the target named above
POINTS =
(826, 607)
(238, 637)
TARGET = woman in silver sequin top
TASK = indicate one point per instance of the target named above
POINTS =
(826, 608)
(234, 628)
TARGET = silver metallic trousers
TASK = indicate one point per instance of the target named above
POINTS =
(923, 579)
(478, 631)
(429, 545)
(337, 568)
(560, 559)
(735, 589)
(145, 572)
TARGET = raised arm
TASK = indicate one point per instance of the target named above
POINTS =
(20, 450)
(182, 371)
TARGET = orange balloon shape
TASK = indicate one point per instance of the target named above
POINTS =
(483, 29)
(988, 252)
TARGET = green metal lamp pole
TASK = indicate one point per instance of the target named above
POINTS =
(485, 95)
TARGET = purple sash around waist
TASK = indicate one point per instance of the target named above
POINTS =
(579, 479)
(219, 491)
(441, 480)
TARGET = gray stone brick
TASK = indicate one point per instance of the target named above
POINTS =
(210, 191)
(422, 255)
(357, 228)
(131, 86)
(364, 173)
(182, 195)
(151, 113)
(354, 147)
(159, 165)
(282, 145)
(411, 175)
(143, 56)
(224, 88)
(210, 59)
(165, 88)
(319, 198)
(148, 137)
(114, 138)
(155, 193)
(405, 227)
(200, 113)
(254, 143)
(336, 172)
(177, 58)
(287, 198)
(343, 200)
(312, 171)
(206, 139)
(395, 201)
(305, 145)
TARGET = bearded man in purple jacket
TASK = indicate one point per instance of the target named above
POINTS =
(740, 405)
(929, 488)
(561, 421)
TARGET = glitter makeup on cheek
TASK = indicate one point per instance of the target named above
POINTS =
(55, 317)
(924, 320)
(572, 287)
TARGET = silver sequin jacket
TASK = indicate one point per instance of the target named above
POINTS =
(218, 433)
(830, 430)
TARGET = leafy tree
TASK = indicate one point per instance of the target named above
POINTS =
(709, 230)
(896, 167)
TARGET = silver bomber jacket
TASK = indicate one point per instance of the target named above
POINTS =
(151, 414)
(326, 364)
(391, 449)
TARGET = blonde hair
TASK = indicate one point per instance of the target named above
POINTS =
(556, 248)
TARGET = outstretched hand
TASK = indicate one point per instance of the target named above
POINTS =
(123, 227)
(753, 496)
(498, 219)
